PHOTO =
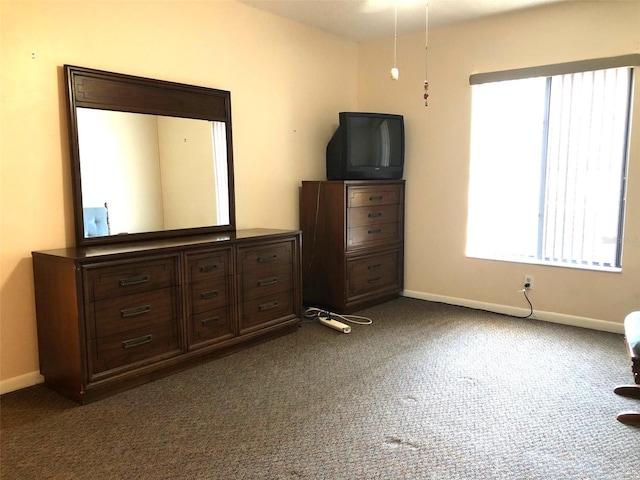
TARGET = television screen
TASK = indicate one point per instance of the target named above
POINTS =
(366, 146)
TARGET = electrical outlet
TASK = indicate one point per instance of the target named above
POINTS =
(528, 280)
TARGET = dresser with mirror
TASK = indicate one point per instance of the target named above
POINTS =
(160, 279)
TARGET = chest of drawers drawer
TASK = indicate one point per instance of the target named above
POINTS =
(258, 311)
(208, 265)
(127, 350)
(131, 312)
(372, 215)
(261, 260)
(126, 278)
(367, 196)
(260, 283)
(373, 235)
(374, 273)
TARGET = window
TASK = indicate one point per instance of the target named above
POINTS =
(548, 167)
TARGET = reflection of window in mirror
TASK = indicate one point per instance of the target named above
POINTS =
(156, 173)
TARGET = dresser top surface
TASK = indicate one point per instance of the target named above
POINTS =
(210, 240)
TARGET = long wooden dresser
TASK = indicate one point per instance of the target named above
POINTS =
(353, 251)
(112, 317)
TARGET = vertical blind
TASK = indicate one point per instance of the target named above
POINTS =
(585, 166)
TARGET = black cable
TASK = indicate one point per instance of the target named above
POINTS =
(524, 291)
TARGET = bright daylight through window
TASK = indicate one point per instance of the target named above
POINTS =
(548, 166)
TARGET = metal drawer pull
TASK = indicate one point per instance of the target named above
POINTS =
(375, 197)
(125, 282)
(374, 231)
(373, 267)
(268, 258)
(267, 281)
(209, 294)
(132, 312)
(374, 280)
(210, 321)
(208, 268)
(375, 214)
(268, 306)
(136, 342)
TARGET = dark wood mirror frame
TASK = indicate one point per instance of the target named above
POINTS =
(103, 90)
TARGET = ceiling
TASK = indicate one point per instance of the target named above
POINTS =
(360, 20)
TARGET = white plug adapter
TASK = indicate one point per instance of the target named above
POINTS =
(336, 325)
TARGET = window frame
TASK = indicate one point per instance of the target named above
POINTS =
(630, 61)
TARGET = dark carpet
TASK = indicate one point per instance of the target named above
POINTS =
(428, 391)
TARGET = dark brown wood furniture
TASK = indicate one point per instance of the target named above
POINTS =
(179, 284)
(117, 316)
(632, 336)
(353, 251)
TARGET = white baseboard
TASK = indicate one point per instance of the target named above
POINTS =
(22, 381)
(584, 322)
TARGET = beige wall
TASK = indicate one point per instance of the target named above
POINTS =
(438, 156)
(287, 84)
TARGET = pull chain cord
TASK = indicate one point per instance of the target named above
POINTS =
(394, 70)
(313, 313)
(426, 47)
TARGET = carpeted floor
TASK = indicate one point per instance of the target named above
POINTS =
(428, 391)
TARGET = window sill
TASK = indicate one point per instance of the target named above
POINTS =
(534, 261)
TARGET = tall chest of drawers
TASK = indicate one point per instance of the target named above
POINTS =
(110, 318)
(353, 251)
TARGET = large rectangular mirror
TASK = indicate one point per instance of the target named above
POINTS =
(150, 158)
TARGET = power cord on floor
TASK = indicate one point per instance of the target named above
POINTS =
(314, 313)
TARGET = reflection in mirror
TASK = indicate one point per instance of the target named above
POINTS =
(152, 172)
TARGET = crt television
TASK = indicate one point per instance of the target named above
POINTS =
(366, 146)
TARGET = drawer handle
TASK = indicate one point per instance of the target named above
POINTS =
(136, 342)
(375, 214)
(208, 268)
(374, 231)
(268, 306)
(209, 294)
(210, 321)
(374, 266)
(132, 312)
(374, 280)
(125, 282)
(268, 258)
(267, 281)
(374, 198)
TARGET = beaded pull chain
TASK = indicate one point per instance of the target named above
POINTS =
(426, 93)
(426, 47)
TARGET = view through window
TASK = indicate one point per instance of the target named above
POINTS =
(548, 167)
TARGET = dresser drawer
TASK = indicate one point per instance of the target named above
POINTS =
(261, 310)
(374, 272)
(265, 258)
(208, 265)
(131, 348)
(372, 215)
(209, 325)
(132, 312)
(126, 278)
(209, 295)
(373, 235)
(374, 195)
(262, 283)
